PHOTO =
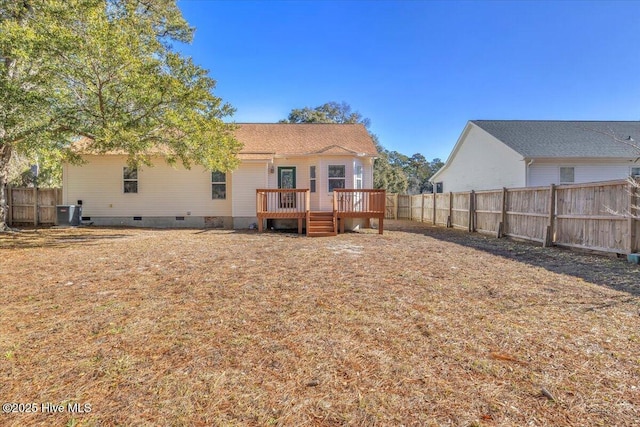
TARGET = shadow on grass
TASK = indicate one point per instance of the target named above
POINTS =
(29, 238)
(600, 269)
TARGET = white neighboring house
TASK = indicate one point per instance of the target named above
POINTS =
(318, 157)
(492, 154)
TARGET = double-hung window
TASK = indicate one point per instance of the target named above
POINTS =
(337, 175)
(218, 185)
(312, 179)
(130, 179)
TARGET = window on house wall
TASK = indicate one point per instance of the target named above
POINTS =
(130, 179)
(439, 187)
(312, 179)
(337, 175)
(218, 185)
(635, 172)
(567, 175)
(358, 177)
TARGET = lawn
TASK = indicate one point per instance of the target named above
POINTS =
(419, 326)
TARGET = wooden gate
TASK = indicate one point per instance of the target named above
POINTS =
(33, 206)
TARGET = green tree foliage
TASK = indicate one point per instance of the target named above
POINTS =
(418, 170)
(385, 174)
(105, 69)
(331, 112)
(393, 171)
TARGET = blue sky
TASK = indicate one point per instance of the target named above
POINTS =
(420, 69)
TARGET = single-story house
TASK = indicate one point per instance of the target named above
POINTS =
(317, 158)
(493, 154)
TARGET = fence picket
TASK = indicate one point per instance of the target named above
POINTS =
(595, 216)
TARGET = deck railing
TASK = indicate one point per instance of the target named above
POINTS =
(284, 203)
(281, 203)
(365, 204)
(295, 203)
(359, 202)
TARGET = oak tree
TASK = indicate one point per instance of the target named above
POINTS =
(106, 71)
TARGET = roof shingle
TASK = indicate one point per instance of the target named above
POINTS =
(302, 139)
(569, 139)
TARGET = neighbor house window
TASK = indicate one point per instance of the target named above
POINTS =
(312, 179)
(439, 187)
(567, 175)
(218, 185)
(635, 172)
(337, 176)
(130, 178)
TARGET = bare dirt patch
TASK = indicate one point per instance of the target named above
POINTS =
(419, 326)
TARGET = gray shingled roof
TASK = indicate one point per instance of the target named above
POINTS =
(542, 138)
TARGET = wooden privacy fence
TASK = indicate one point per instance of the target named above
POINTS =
(596, 216)
(33, 206)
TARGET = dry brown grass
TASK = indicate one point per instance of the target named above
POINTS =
(415, 327)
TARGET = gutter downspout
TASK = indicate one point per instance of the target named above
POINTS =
(527, 178)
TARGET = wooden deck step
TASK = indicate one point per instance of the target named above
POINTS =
(321, 224)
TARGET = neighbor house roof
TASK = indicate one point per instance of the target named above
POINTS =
(288, 139)
(566, 139)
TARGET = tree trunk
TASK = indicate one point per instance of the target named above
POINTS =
(5, 156)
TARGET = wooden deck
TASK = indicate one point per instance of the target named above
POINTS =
(365, 204)
(294, 204)
(282, 204)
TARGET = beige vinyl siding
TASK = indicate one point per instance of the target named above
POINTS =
(302, 171)
(482, 163)
(302, 174)
(163, 190)
(246, 179)
(322, 199)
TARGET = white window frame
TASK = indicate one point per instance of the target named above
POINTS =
(334, 179)
(216, 182)
(573, 173)
(127, 178)
(313, 179)
(637, 171)
(358, 177)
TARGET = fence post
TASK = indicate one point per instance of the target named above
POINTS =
(395, 206)
(35, 206)
(503, 215)
(435, 205)
(471, 227)
(9, 206)
(422, 208)
(632, 220)
(410, 208)
(450, 216)
(548, 238)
